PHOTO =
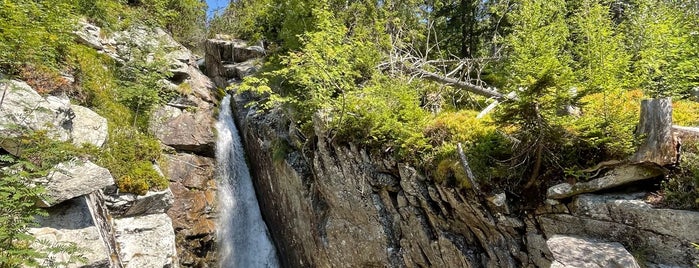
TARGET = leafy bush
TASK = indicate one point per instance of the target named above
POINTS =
(34, 32)
(606, 123)
(129, 156)
(685, 113)
(682, 186)
(483, 145)
(104, 13)
(380, 117)
(45, 153)
(17, 211)
(18, 196)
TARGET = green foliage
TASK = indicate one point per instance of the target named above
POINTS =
(185, 19)
(18, 195)
(104, 13)
(483, 145)
(601, 62)
(578, 69)
(377, 116)
(277, 21)
(34, 32)
(141, 82)
(682, 187)
(665, 44)
(607, 133)
(45, 153)
(129, 154)
(684, 113)
(17, 212)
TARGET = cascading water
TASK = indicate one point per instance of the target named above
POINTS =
(243, 237)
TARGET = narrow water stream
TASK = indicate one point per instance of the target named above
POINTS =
(244, 241)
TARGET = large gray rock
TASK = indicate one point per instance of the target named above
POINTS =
(146, 241)
(662, 235)
(247, 68)
(88, 127)
(579, 252)
(71, 222)
(686, 134)
(228, 59)
(179, 61)
(23, 110)
(184, 129)
(89, 35)
(127, 204)
(74, 178)
(616, 177)
(634, 212)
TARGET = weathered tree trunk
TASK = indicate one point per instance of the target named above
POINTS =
(658, 144)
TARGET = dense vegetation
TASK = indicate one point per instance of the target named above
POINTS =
(575, 72)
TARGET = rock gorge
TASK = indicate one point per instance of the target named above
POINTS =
(326, 204)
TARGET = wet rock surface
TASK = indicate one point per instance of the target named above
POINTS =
(193, 213)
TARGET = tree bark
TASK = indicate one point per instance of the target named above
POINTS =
(658, 143)
(488, 92)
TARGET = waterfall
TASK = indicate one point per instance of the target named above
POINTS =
(243, 237)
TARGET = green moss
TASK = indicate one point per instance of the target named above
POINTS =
(129, 153)
(280, 148)
(685, 113)
(483, 146)
(129, 156)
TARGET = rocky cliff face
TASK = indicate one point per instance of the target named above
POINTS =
(339, 205)
(169, 228)
(185, 126)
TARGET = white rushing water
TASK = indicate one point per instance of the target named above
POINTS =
(243, 237)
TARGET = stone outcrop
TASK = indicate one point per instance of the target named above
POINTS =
(228, 60)
(146, 241)
(342, 206)
(339, 205)
(23, 110)
(663, 235)
(185, 127)
(577, 252)
(617, 176)
(88, 127)
(125, 230)
(72, 179)
(72, 222)
(89, 35)
(193, 215)
(127, 204)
